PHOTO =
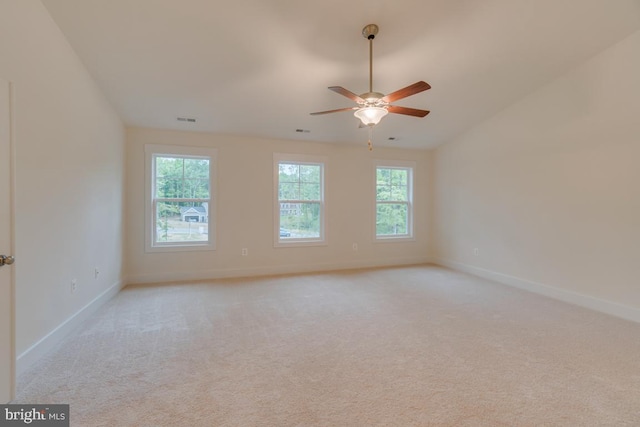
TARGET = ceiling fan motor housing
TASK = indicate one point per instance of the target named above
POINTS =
(373, 99)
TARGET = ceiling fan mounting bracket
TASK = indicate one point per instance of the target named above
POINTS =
(370, 31)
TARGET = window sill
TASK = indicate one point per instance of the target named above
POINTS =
(298, 243)
(387, 239)
(180, 248)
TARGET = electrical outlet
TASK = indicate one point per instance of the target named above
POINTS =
(96, 273)
(74, 285)
(355, 247)
(245, 251)
(476, 251)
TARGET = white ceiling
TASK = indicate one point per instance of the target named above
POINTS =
(259, 67)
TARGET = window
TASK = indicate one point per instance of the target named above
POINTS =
(180, 188)
(299, 200)
(394, 200)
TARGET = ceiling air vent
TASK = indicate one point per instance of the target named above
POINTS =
(303, 130)
(186, 119)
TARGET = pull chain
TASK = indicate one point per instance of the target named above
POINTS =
(370, 134)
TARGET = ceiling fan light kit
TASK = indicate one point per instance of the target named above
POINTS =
(371, 116)
(373, 106)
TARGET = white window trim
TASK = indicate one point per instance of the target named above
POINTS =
(400, 164)
(308, 159)
(155, 149)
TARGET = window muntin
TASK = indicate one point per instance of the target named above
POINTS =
(180, 184)
(299, 183)
(394, 210)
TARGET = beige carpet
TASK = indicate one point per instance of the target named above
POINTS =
(414, 346)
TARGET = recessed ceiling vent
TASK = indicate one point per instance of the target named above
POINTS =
(303, 130)
(186, 119)
(392, 138)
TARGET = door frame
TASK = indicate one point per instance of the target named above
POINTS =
(12, 239)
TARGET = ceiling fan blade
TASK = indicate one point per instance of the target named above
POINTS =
(344, 92)
(334, 111)
(407, 111)
(407, 91)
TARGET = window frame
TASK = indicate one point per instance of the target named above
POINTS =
(151, 152)
(410, 167)
(300, 159)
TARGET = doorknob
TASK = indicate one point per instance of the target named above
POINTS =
(6, 260)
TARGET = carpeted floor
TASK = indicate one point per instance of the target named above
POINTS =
(411, 346)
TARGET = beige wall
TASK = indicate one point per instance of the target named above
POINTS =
(549, 189)
(245, 210)
(69, 175)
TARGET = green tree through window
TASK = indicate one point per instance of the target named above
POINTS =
(181, 198)
(300, 199)
(393, 201)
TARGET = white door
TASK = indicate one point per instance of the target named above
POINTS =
(7, 351)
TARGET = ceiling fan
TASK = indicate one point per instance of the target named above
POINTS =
(373, 106)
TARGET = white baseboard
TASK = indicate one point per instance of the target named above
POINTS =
(48, 342)
(269, 270)
(587, 301)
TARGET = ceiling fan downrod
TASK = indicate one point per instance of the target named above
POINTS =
(369, 32)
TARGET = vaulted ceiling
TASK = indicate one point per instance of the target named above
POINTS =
(259, 67)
